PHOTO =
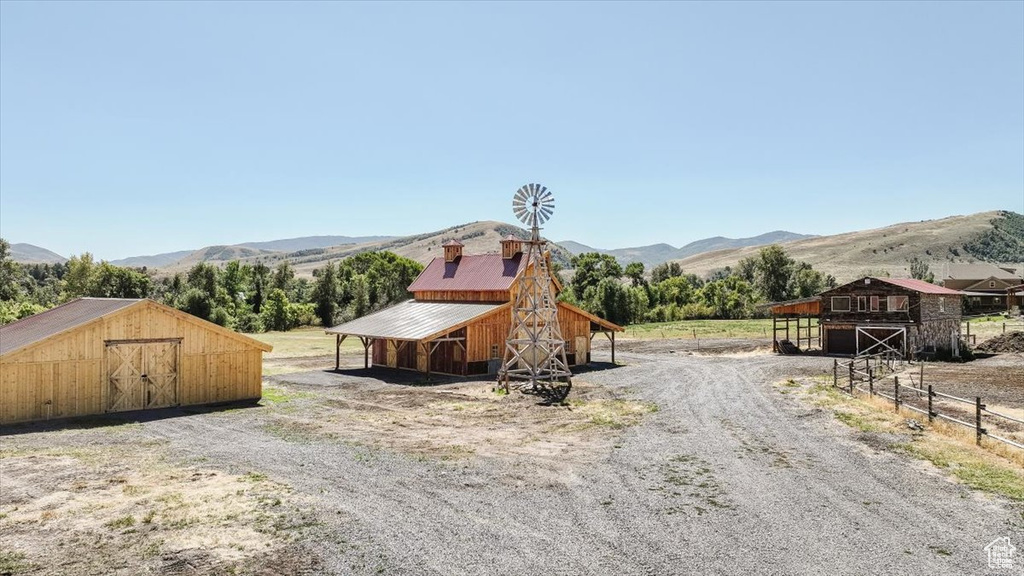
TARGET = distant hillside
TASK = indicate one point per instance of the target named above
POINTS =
(154, 261)
(478, 237)
(32, 254)
(658, 253)
(223, 254)
(309, 242)
(888, 250)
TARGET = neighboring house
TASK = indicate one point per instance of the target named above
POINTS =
(97, 355)
(984, 285)
(899, 314)
(460, 316)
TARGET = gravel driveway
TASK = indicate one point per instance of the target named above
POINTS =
(728, 477)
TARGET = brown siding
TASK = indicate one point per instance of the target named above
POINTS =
(881, 289)
(66, 375)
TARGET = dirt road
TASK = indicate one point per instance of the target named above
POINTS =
(727, 476)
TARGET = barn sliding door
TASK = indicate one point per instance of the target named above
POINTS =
(142, 374)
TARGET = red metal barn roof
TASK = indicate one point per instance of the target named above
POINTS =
(469, 273)
(919, 286)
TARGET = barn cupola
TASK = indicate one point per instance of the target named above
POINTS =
(510, 246)
(452, 250)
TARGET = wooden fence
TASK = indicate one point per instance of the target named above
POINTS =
(850, 377)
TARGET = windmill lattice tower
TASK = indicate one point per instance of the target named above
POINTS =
(535, 349)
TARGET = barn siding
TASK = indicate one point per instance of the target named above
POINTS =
(65, 375)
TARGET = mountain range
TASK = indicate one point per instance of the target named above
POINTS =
(988, 236)
(658, 253)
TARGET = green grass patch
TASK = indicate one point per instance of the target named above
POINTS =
(14, 563)
(987, 476)
(859, 421)
(278, 395)
(253, 477)
(122, 522)
(303, 342)
(750, 328)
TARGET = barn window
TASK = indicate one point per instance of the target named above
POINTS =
(899, 303)
(494, 351)
(874, 303)
(457, 354)
(840, 303)
(862, 303)
(991, 283)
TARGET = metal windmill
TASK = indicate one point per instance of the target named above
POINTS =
(535, 350)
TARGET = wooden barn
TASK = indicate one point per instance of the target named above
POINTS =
(906, 316)
(460, 316)
(97, 355)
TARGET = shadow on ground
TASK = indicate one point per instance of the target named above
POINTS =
(120, 418)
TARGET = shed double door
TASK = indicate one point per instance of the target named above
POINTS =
(142, 374)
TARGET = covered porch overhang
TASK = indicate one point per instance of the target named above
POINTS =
(425, 325)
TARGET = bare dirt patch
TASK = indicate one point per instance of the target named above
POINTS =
(124, 509)
(455, 420)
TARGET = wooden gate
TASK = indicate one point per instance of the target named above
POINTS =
(877, 339)
(142, 374)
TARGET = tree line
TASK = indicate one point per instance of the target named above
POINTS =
(628, 295)
(248, 297)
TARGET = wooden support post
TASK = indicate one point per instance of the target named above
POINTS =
(921, 383)
(613, 347)
(835, 373)
(977, 420)
(426, 348)
(366, 351)
(775, 333)
(851, 377)
(896, 394)
(931, 413)
(337, 351)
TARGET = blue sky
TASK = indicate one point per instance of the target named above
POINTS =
(136, 128)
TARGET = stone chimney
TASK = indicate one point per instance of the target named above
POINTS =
(452, 250)
(510, 246)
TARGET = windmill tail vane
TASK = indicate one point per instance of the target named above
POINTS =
(535, 349)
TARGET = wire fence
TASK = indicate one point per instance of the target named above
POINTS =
(870, 374)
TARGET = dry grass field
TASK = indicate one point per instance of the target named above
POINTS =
(852, 255)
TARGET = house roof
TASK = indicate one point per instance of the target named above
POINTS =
(919, 286)
(41, 326)
(414, 320)
(979, 271)
(469, 273)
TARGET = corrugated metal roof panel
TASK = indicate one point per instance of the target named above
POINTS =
(469, 273)
(918, 286)
(56, 320)
(413, 320)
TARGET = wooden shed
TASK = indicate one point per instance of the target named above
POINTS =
(461, 315)
(98, 355)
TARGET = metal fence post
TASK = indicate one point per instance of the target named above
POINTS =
(851, 378)
(896, 395)
(977, 420)
(835, 373)
(871, 383)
